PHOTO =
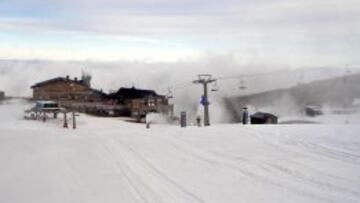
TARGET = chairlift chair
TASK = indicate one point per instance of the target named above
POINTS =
(242, 84)
(214, 88)
(301, 78)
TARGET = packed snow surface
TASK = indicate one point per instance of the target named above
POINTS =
(109, 160)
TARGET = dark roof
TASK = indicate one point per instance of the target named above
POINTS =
(133, 93)
(263, 115)
(58, 79)
(100, 92)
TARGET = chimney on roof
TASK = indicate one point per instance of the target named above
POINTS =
(86, 79)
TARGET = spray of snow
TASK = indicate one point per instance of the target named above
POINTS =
(157, 118)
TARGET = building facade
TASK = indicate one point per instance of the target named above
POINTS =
(141, 101)
(141, 106)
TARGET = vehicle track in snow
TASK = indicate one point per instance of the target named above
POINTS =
(151, 184)
(267, 175)
(122, 171)
(316, 151)
(295, 142)
(145, 177)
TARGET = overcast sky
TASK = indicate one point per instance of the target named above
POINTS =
(294, 32)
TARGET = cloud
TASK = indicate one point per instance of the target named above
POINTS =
(184, 17)
(274, 30)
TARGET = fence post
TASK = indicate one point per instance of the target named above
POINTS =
(65, 120)
(44, 117)
(74, 120)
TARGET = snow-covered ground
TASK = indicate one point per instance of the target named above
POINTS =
(110, 160)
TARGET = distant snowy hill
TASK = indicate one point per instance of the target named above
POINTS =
(335, 92)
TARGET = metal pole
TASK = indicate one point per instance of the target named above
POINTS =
(44, 117)
(206, 106)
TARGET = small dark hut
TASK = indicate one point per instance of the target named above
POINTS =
(263, 118)
(2, 95)
(313, 111)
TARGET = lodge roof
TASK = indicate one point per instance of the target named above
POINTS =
(133, 93)
(57, 79)
(66, 79)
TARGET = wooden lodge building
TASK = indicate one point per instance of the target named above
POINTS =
(66, 89)
(78, 95)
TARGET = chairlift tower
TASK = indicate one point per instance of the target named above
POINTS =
(170, 94)
(205, 79)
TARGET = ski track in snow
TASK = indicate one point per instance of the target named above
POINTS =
(109, 160)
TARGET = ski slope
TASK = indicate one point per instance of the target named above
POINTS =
(109, 160)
